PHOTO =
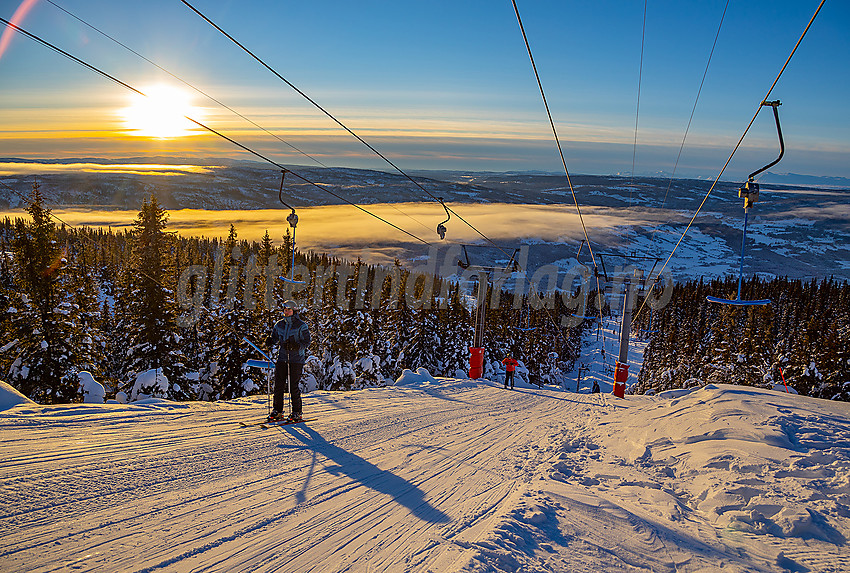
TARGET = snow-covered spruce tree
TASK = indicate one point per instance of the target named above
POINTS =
(231, 321)
(456, 332)
(358, 326)
(425, 348)
(367, 363)
(400, 328)
(88, 338)
(337, 335)
(381, 300)
(148, 311)
(725, 334)
(39, 355)
(550, 370)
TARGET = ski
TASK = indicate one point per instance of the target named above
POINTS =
(285, 422)
(266, 424)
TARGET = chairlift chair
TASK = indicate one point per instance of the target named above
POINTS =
(292, 219)
(441, 227)
(749, 192)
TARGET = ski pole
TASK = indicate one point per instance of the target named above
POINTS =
(289, 376)
(268, 392)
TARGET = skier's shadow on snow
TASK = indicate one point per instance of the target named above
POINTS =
(368, 474)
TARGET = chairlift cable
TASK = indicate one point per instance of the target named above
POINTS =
(184, 82)
(749, 125)
(144, 274)
(342, 125)
(448, 209)
(208, 96)
(234, 142)
(554, 130)
(320, 108)
(206, 127)
(637, 109)
(561, 153)
(249, 150)
(691, 118)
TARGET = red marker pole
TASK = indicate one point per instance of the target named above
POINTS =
(781, 373)
(621, 377)
(621, 371)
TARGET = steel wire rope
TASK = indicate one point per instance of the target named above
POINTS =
(338, 122)
(691, 118)
(236, 143)
(116, 80)
(563, 162)
(131, 88)
(360, 139)
(210, 97)
(687, 130)
(245, 148)
(184, 82)
(144, 274)
(637, 109)
(743, 135)
(210, 129)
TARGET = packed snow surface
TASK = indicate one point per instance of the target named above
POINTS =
(450, 475)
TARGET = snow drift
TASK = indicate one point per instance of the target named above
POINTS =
(10, 397)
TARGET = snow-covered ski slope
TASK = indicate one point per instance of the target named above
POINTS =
(452, 475)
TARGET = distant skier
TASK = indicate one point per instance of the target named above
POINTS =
(292, 335)
(510, 365)
(595, 387)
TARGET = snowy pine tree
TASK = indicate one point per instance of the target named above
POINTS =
(40, 352)
(148, 308)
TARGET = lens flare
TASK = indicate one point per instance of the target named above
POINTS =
(16, 19)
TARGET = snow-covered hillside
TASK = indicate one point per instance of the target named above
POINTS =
(445, 475)
(800, 232)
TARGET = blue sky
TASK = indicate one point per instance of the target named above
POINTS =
(444, 85)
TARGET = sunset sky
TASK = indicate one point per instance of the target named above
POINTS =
(437, 84)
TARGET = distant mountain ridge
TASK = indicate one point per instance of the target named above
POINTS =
(795, 230)
(807, 180)
(240, 184)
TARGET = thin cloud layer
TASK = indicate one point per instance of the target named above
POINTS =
(14, 168)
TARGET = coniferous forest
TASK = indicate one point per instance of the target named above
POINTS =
(801, 339)
(109, 303)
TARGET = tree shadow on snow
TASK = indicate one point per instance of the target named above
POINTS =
(366, 473)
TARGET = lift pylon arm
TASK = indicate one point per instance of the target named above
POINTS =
(750, 191)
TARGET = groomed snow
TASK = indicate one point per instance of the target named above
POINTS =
(456, 475)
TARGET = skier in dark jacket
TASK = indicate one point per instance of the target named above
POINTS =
(292, 335)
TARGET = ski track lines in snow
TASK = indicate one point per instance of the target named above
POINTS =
(453, 476)
(157, 488)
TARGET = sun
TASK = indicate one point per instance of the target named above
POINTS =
(161, 113)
